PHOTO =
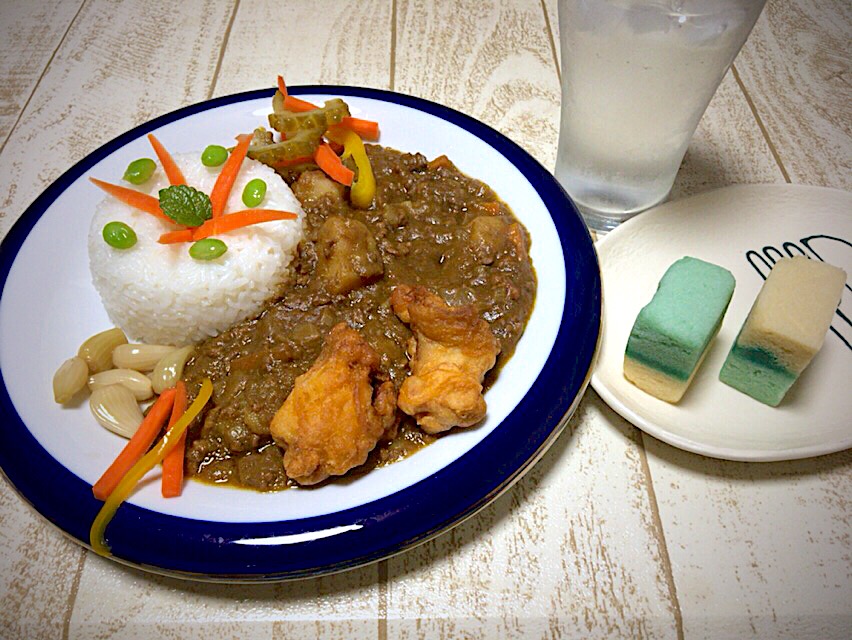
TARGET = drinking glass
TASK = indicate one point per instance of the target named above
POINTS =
(637, 76)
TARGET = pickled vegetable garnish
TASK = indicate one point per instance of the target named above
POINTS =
(364, 188)
(289, 122)
(302, 145)
(124, 488)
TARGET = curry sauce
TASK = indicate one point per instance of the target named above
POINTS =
(429, 225)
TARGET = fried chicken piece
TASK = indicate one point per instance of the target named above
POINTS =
(334, 416)
(451, 351)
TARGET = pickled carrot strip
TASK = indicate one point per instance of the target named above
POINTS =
(226, 178)
(136, 199)
(138, 445)
(173, 462)
(238, 220)
(134, 475)
(173, 172)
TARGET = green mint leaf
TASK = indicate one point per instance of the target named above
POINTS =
(185, 205)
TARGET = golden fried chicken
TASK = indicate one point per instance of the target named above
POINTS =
(451, 351)
(335, 415)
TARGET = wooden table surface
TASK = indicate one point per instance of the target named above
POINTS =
(613, 534)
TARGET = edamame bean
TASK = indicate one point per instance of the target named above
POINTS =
(254, 193)
(214, 155)
(208, 249)
(140, 171)
(118, 235)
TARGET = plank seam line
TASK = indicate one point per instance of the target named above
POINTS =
(393, 47)
(552, 43)
(760, 125)
(660, 535)
(41, 77)
(72, 595)
(222, 49)
(382, 622)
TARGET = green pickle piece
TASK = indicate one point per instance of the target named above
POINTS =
(289, 122)
(119, 235)
(214, 155)
(254, 193)
(208, 249)
(303, 145)
(140, 171)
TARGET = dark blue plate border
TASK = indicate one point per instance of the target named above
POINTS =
(207, 550)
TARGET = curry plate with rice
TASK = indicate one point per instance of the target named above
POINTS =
(356, 325)
(375, 508)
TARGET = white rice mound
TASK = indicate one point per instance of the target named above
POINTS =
(158, 294)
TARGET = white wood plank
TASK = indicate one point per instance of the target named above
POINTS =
(30, 33)
(120, 603)
(796, 69)
(38, 571)
(491, 60)
(308, 43)
(758, 550)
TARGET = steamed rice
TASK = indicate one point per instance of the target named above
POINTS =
(158, 294)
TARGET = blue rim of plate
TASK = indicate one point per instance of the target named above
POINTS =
(207, 550)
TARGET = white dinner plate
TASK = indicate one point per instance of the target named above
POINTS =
(53, 454)
(744, 229)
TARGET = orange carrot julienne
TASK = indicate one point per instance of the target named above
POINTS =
(226, 178)
(138, 445)
(329, 161)
(173, 462)
(173, 172)
(173, 237)
(136, 199)
(366, 129)
(238, 220)
(282, 87)
(291, 103)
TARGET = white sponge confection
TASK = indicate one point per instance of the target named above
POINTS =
(785, 328)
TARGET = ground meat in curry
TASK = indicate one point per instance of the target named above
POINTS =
(430, 225)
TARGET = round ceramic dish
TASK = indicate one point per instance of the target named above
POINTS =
(48, 307)
(744, 229)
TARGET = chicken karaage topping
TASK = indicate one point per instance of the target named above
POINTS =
(337, 412)
(451, 350)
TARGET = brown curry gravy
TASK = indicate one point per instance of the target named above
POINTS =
(429, 225)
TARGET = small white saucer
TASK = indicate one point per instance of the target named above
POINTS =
(744, 229)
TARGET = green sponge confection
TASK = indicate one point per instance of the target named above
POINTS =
(672, 333)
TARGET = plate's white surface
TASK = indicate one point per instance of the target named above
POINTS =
(50, 307)
(722, 227)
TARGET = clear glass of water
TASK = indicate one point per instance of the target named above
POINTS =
(637, 76)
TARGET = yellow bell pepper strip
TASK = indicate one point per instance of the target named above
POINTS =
(364, 187)
(143, 466)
